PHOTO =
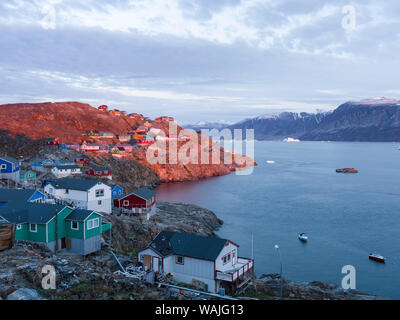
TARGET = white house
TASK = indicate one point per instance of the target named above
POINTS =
(61, 171)
(207, 263)
(80, 193)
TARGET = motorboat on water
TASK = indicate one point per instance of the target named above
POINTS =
(303, 237)
(270, 161)
(347, 170)
(377, 257)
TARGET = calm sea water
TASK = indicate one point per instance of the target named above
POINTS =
(346, 216)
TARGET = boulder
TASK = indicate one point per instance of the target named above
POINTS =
(24, 294)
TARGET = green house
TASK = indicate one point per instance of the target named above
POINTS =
(107, 134)
(27, 175)
(76, 230)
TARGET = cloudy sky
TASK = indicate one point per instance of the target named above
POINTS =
(200, 59)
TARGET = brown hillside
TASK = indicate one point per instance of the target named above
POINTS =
(66, 120)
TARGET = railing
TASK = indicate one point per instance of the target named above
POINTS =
(243, 266)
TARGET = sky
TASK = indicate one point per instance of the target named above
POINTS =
(200, 60)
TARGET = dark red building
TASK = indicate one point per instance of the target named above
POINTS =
(78, 159)
(140, 201)
(52, 142)
(99, 172)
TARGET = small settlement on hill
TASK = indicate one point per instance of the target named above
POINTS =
(64, 203)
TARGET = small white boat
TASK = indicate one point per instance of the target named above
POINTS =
(303, 237)
(290, 139)
(270, 161)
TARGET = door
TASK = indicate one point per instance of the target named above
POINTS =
(147, 262)
(63, 243)
(156, 264)
(67, 243)
(234, 257)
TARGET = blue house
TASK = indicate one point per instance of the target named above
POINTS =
(116, 191)
(21, 195)
(9, 168)
(70, 146)
(42, 165)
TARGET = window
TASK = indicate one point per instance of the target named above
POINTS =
(99, 202)
(179, 260)
(74, 225)
(226, 258)
(3, 166)
(19, 227)
(99, 192)
(33, 227)
(126, 203)
(120, 192)
(93, 223)
(66, 191)
(50, 190)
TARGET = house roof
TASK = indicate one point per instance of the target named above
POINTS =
(74, 184)
(19, 212)
(68, 166)
(10, 159)
(101, 169)
(23, 172)
(79, 215)
(188, 245)
(144, 193)
(20, 195)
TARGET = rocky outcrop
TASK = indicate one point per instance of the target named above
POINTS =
(131, 233)
(26, 125)
(66, 120)
(267, 286)
(77, 278)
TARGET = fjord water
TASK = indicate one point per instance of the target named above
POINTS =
(346, 216)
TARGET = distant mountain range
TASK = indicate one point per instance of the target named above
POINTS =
(376, 119)
(208, 125)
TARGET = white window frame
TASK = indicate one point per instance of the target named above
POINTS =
(19, 227)
(3, 166)
(30, 227)
(72, 225)
(93, 223)
(125, 203)
(99, 193)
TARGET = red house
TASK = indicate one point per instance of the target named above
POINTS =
(78, 159)
(52, 142)
(142, 200)
(99, 172)
(103, 108)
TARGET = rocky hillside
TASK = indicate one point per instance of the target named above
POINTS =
(376, 119)
(25, 126)
(281, 125)
(66, 120)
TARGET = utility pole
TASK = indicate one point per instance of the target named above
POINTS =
(280, 260)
